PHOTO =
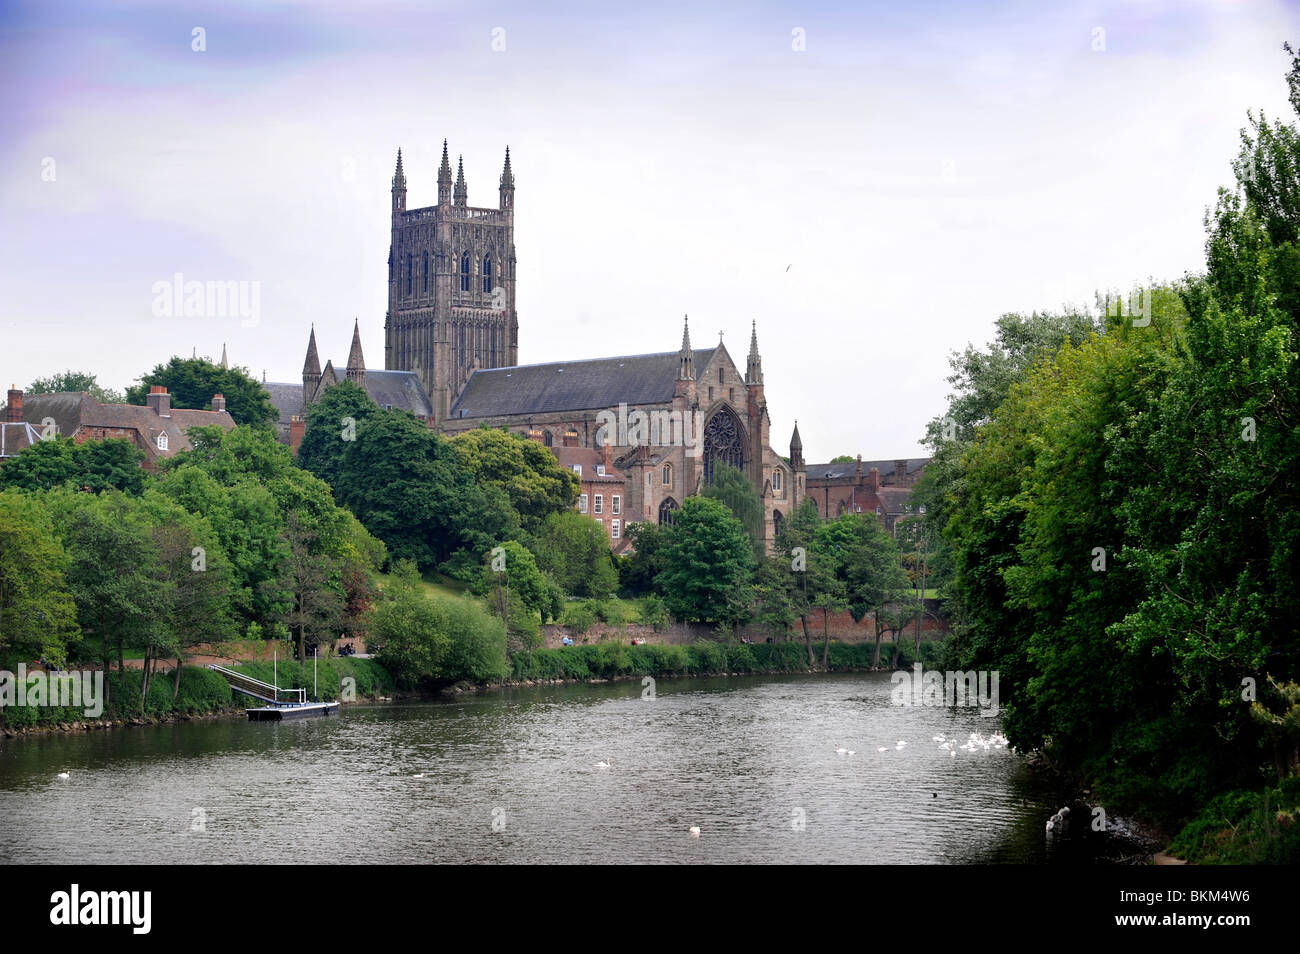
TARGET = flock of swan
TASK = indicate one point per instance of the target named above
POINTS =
(974, 743)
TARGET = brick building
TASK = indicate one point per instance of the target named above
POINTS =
(603, 488)
(156, 428)
(882, 487)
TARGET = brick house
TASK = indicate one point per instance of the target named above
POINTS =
(881, 487)
(156, 428)
(603, 489)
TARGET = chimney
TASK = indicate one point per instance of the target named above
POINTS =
(159, 400)
(900, 469)
(14, 414)
(297, 427)
(218, 402)
(858, 472)
(607, 457)
(875, 479)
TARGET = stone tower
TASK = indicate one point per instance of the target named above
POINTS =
(451, 285)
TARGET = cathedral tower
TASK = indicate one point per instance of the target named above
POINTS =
(451, 285)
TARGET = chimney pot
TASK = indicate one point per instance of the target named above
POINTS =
(14, 413)
(159, 400)
(218, 402)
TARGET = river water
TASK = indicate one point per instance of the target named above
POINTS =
(511, 776)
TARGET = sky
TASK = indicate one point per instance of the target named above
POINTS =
(872, 184)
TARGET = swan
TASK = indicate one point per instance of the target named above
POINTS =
(604, 763)
(695, 831)
(881, 749)
(844, 751)
(64, 775)
(420, 775)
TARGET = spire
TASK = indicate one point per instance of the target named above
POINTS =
(507, 185)
(310, 371)
(312, 364)
(224, 362)
(444, 177)
(460, 195)
(686, 357)
(796, 448)
(399, 185)
(355, 361)
(754, 367)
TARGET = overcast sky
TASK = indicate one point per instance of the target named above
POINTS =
(873, 200)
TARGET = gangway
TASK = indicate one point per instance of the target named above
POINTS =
(261, 690)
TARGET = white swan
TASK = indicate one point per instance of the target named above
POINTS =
(604, 763)
(881, 749)
(64, 775)
(844, 751)
(695, 831)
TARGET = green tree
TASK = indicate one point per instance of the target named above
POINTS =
(706, 564)
(38, 618)
(331, 424)
(573, 550)
(732, 488)
(192, 382)
(76, 381)
(524, 470)
(408, 630)
(112, 464)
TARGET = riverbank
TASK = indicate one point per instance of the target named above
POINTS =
(201, 694)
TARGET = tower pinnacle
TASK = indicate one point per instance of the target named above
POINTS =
(754, 367)
(444, 177)
(686, 357)
(460, 194)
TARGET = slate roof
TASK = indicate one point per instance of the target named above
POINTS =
(850, 468)
(401, 390)
(595, 384)
(73, 410)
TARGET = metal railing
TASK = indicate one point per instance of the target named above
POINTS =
(260, 690)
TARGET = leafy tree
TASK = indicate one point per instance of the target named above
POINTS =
(112, 464)
(407, 628)
(526, 471)
(330, 424)
(192, 382)
(38, 618)
(866, 563)
(731, 487)
(76, 381)
(572, 550)
(706, 564)
(843, 459)
(636, 572)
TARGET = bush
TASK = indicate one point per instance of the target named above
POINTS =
(580, 617)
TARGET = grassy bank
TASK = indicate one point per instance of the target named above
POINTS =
(1245, 828)
(613, 660)
(201, 692)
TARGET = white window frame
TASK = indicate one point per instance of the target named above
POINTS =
(598, 504)
(577, 469)
(582, 503)
(162, 441)
(616, 502)
(600, 470)
(613, 529)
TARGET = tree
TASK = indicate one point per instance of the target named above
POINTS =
(38, 618)
(313, 578)
(76, 381)
(706, 564)
(636, 573)
(843, 459)
(91, 465)
(866, 563)
(526, 471)
(330, 425)
(731, 487)
(408, 629)
(572, 550)
(191, 383)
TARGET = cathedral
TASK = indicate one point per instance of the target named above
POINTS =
(451, 347)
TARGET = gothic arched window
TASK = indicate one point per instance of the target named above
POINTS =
(668, 512)
(668, 476)
(464, 272)
(777, 520)
(548, 439)
(409, 266)
(776, 479)
(487, 273)
(426, 271)
(492, 348)
(724, 441)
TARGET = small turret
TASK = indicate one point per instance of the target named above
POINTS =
(461, 194)
(399, 186)
(356, 369)
(686, 357)
(796, 449)
(310, 370)
(507, 185)
(444, 178)
(754, 368)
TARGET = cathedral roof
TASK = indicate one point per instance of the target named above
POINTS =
(849, 468)
(595, 384)
(398, 389)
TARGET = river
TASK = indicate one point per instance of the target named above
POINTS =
(512, 776)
